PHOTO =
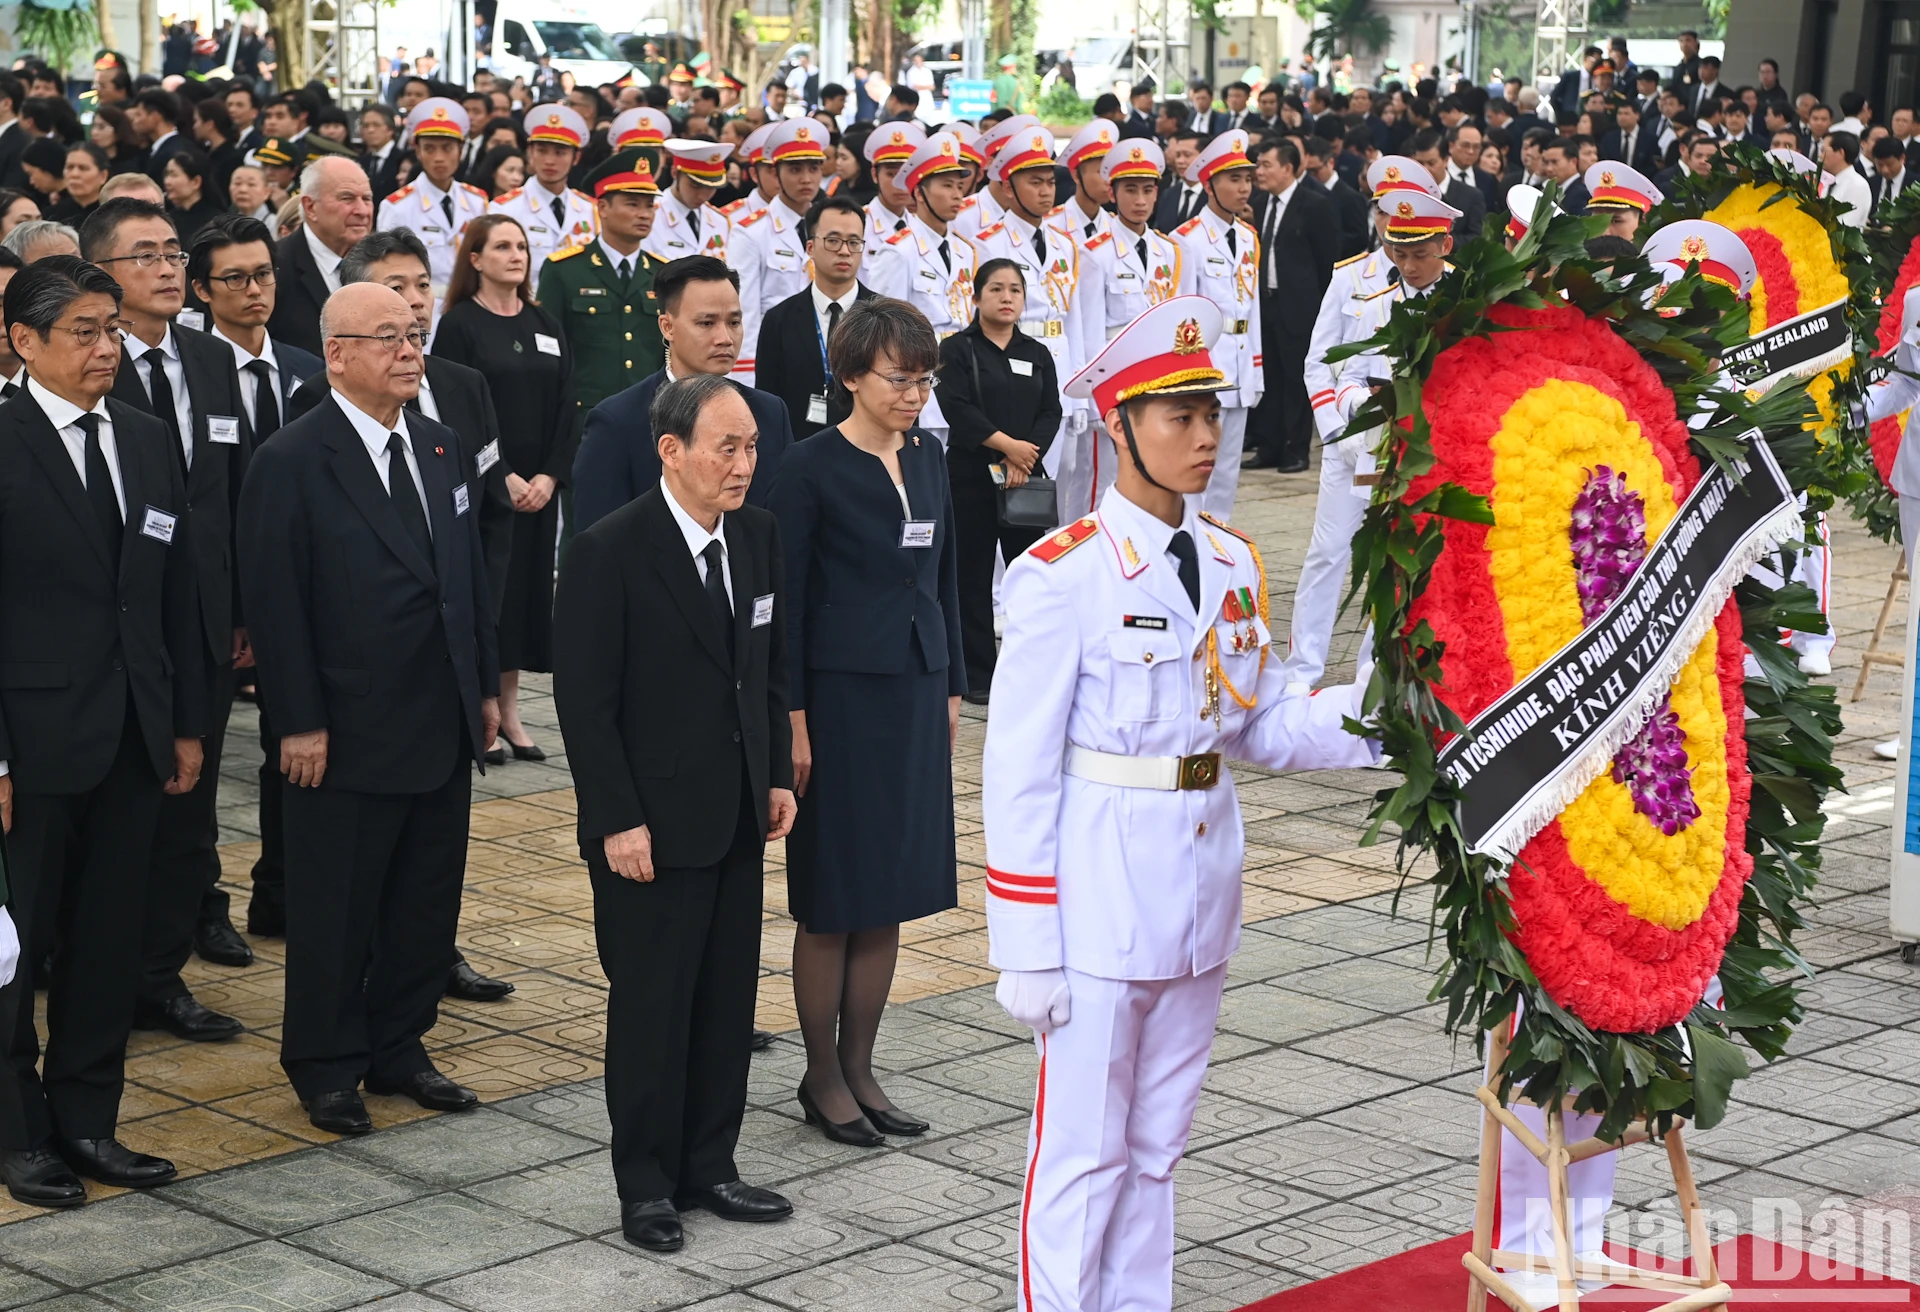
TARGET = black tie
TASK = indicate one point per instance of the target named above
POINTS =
(163, 408)
(405, 499)
(693, 223)
(446, 208)
(899, 225)
(1141, 246)
(266, 410)
(626, 271)
(1182, 549)
(716, 557)
(100, 486)
(833, 318)
(8, 391)
(1231, 248)
(1091, 225)
(1040, 245)
(946, 255)
(560, 214)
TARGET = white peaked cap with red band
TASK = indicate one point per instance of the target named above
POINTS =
(1167, 351)
(1399, 173)
(1718, 250)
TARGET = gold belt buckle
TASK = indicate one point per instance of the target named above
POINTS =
(1235, 326)
(1199, 771)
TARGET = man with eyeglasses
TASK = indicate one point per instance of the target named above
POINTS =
(189, 383)
(364, 578)
(797, 373)
(102, 712)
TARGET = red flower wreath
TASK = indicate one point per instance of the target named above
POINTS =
(1885, 434)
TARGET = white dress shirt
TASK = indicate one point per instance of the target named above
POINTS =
(249, 384)
(614, 257)
(1276, 215)
(698, 538)
(428, 406)
(176, 372)
(324, 257)
(374, 434)
(821, 301)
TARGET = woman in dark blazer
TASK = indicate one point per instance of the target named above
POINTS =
(1001, 397)
(873, 608)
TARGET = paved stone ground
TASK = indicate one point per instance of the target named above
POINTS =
(1337, 1124)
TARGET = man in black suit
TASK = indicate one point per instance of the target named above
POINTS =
(1630, 142)
(102, 709)
(1465, 197)
(1464, 142)
(156, 114)
(1205, 119)
(1140, 116)
(366, 595)
(188, 382)
(797, 373)
(1299, 241)
(1890, 174)
(336, 210)
(618, 458)
(671, 682)
(1179, 200)
(1562, 160)
(459, 397)
(13, 137)
(1240, 114)
(381, 151)
(243, 107)
(1348, 204)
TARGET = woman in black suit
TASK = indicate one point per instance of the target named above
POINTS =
(875, 698)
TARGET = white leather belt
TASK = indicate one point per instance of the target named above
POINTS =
(1167, 774)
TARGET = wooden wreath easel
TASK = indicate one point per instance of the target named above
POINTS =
(1875, 654)
(1696, 1293)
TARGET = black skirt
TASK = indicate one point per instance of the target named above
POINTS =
(526, 612)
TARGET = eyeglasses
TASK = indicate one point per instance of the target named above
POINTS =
(842, 245)
(147, 259)
(921, 383)
(87, 335)
(389, 342)
(237, 282)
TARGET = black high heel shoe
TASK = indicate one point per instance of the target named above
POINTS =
(531, 752)
(859, 1133)
(891, 1120)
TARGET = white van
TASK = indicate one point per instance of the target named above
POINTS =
(524, 30)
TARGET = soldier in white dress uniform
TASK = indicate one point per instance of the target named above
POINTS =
(888, 148)
(1114, 841)
(1337, 511)
(1125, 270)
(927, 264)
(1220, 260)
(988, 206)
(768, 249)
(1625, 194)
(752, 156)
(433, 206)
(685, 222)
(1887, 397)
(642, 125)
(1085, 211)
(554, 215)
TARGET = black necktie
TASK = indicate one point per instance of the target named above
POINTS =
(446, 207)
(1091, 225)
(1040, 244)
(946, 255)
(8, 391)
(405, 499)
(833, 318)
(163, 408)
(1141, 246)
(716, 557)
(560, 213)
(1182, 549)
(1231, 248)
(899, 225)
(626, 271)
(106, 508)
(266, 410)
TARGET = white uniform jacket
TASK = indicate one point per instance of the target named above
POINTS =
(417, 207)
(1052, 313)
(672, 236)
(1355, 385)
(767, 251)
(882, 223)
(747, 206)
(909, 268)
(1122, 882)
(532, 207)
(977, 212)
(1888, 397)
(1354, 279)
(1230, 278)
(1116, 288)
(1073, 218)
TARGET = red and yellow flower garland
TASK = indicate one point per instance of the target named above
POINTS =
(1886, 434)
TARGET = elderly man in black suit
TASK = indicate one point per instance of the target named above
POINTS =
(1427, 147)
(102, 709)
(700, 318)
(336, 210)
(365, 585)
(796, 373)
(187, 381)
(1299, 241)
(670, 679)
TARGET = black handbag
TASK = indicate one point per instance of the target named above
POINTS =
(1035, 503)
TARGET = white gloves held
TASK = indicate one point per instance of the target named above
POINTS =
(9, 948)
(1038, 999)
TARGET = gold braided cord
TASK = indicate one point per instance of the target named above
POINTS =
(1171, 380)
(1261, 611)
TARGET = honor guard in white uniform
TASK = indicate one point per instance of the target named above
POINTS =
(684, 223)
(969, 138)
(752, 156)
(988, 206)
(1889, 396)
(1220, 260)
(927, 264)
(1114, 841)
(1523, 202)
(1624, 194)
(641, 126)
(435, 207)
(887, 149)
(768, 249)
(554, 214)
(1337, 512)
(1085, 212)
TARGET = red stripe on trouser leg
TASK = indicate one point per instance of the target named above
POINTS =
(1031, 881)
(1014, 895)
(1033, 1161)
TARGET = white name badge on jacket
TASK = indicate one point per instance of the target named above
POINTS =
(917, 532)
(546, 343)
(224, 429)
(762, 611)
(158, 525)
(460, 500)
(489, 457)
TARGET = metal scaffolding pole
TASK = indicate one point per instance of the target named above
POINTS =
(1160, 41)
(343, 48)
(1558, 36)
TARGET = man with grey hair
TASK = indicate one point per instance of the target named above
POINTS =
(336, 210)
(670, 645)
(38, 238)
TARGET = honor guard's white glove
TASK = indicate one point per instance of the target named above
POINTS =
(9, 948)
(1038, 999)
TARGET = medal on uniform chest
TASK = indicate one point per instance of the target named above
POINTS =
(1058, 276)
(1160, 287)
(1240, 609)
(960, 298)
(1245, 275)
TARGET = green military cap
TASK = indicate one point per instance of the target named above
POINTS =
(625, 170)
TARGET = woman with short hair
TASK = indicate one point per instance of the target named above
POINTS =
(192, 195)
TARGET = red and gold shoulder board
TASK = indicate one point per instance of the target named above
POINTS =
(1081, 530)
(1094, 243)
(1189, 225)
(475, 190)
(1225, 527)
(1057, 209)
(967, 204)
(899, 236)
(988, 231)
(581, 194)
(751, 219)
(403, 193)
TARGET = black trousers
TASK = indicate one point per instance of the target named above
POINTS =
(270, 869)
(1281, 427)
(373, 896)
(682, 959)
(976, 534)
(185, 885)
(77, 863)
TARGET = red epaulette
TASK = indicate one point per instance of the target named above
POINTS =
(1081, 530)
(751, 219)
(1093, 243)
(988, 231)
(1225, 527)
(1189, 225)
(899, 236)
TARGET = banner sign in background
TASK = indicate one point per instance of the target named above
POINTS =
(1805, 344)
(1522, 759)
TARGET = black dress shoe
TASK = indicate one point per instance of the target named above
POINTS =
(185, 1017)
(1292, 467)
(653, 1225)
(891, 1120)
(217, 941)
(111, 1162)
(973, 698)
(760, 1041)
(469, 985)
(496, 756)
(264, 921)
(430, 1089)
(37, 1177)
(858, 1132)
(531, 752)
(1260, 460)
(340, 1112)
(736, 1200)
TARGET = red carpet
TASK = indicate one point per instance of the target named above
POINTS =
(1431, 1279)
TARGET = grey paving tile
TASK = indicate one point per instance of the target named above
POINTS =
(998, 1152)
(1761, 1201)
(892, 1278)
(294, 1192)
(18, 1288)
(587, 1274)
(1264, 956)
(1213, 1201)
(431, 1239)
(450, 1151)
(1443, 1200)
(107, 1240)
(1323, 1159)
(1857, 994)
(735, 1302)
(1830, 947)
(71, 1303)
(899, 1195)
(1004, 1075)
(577, 1194)
(264, 1276)
(1807, 1087)
(409, 1302)
(1824, 1029)
(1855, 1164)
(977, 1008)
(1443, 1119)
(737, 1256)
(1643, 1175)
(1330, 1240)
(774, 1149)
(1298, 1082)
(947, 1110)
(991, 1241)
(1755, 1136)
(577, 1109)
(911, 1039)
(1413, 1049)
(1220, 1119)
(1348, 928)
(775, 1075)
(1894, 1054)
(1366, 982)
(1208, 1280)
(1274, 1013)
